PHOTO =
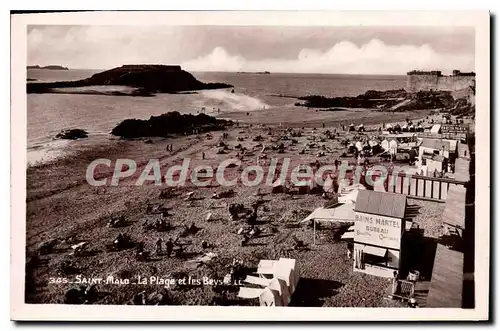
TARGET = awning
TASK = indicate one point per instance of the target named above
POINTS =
(257, 280)
(348, 235)
(250, 293)
(377, 251)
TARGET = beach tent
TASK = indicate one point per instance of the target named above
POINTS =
(385, 145)
(436, 128)
(343, 212)
(393, 146)
(275, 291)
(282, 288)
(359, 146)
(270, 298)
(249, 292)
(330, 185)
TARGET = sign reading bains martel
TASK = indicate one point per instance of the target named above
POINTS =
(378, 230)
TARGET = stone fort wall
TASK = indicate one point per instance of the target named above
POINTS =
(426, 82)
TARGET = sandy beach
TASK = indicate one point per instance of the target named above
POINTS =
(61, 204)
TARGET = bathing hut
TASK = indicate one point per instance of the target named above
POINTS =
(378, 228)
(393, 146)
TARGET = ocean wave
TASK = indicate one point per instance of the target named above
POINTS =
(225, 100)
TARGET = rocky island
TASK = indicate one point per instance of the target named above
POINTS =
(148, 79)
(50, 67)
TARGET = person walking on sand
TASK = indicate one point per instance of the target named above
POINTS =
(158, 245)
(170, 247)
(203, 155)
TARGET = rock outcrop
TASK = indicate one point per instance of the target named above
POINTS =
(168, 124)
(370, 99)
(148, 78)
(391, 100)
(72, 134)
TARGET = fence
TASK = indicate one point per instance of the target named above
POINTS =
(421, 186)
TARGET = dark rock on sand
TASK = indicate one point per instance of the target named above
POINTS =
(72, 134)
(150, 78)
(168, 124)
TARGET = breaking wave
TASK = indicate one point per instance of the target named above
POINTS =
(225, 100)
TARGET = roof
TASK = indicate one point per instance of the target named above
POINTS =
(344, 212)
(438, 158)
(445, 290)
(436, 144)
(462, 170)
(381, 203)
(454, 208)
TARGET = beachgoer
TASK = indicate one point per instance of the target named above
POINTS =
(170, 246)
(203, 155)
(158, 244)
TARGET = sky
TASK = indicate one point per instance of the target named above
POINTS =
(342, 50)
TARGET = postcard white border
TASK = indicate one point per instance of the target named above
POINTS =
(21, 311)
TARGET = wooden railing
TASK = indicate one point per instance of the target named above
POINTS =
(418, 186)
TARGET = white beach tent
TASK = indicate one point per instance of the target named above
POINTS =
(393, 146)
(343, 212)
(385, 144)
(278, 280)
(436, 128)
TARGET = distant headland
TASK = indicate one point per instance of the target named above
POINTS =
(255, 73)
(147, 79)
(50, 67)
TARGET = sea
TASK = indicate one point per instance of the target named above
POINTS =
(48, 114)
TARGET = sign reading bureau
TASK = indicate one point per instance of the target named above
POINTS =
(378, 230)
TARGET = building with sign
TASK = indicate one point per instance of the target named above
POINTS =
(378, 228)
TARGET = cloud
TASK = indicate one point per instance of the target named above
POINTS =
(374, 57)
(367, 50)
